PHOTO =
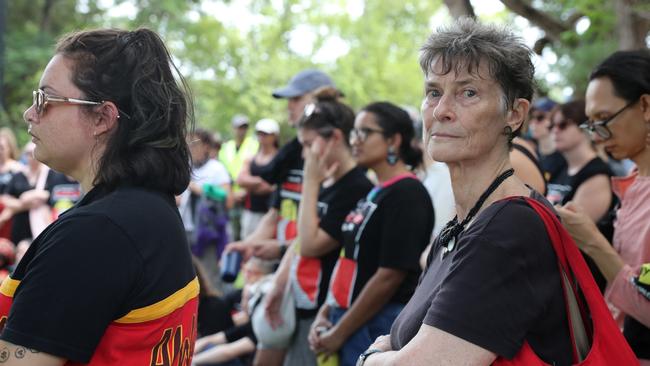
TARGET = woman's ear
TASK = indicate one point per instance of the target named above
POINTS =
(106, 120)
(645, 107)
(395, 141)
(517, 115)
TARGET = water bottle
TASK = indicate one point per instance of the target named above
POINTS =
(231, 264)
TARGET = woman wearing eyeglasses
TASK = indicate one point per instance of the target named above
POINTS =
(332, 184)
(383, 237)
(111, 281)
(618, 106)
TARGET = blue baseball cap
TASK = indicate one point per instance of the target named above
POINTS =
(303, 83)
(544, 104)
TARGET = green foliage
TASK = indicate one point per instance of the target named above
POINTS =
(233, 69)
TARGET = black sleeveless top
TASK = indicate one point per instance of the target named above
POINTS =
(532, 158)
(257, 202)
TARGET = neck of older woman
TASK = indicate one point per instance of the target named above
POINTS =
(385, 171)
(469, 179)
(578, 156)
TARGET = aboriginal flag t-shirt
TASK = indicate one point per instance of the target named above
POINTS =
(110, 282)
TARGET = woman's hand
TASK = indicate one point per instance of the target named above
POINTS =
(331, 341)
(382, 343)
(579, 225)
(316, 168)
(320, 325)
(212, 339)
(272, 304)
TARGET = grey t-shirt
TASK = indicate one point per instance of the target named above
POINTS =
(499, 287)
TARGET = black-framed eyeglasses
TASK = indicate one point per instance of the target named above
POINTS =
(600, 127)
(361, 134)
(41, 99)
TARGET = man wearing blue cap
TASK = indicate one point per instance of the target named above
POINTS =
(278, 227)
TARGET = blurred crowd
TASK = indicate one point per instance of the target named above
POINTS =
(387, 221)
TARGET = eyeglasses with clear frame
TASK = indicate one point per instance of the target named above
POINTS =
(361, 134)
(600, 127)
(41, 99)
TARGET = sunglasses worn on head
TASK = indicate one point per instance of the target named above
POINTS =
(600, 127)
(42, 99)
(361, 134)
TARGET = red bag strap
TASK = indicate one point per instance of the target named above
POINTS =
(572, 265)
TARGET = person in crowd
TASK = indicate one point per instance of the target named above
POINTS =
(540, 126)
(7, 257)
(237, 343)
(9, 166)
(332, 186)
(37, 196)
(525, 162)
(233, 154)
(478, 86)
(618, 107)
(204, 215)
(25, 191)
(258, 191)
(111, 281)
(383, 237)
(586, 178)
(278, 228)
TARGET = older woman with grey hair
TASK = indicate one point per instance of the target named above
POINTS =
(492, 282)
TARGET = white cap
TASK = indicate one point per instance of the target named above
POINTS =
(267, 125)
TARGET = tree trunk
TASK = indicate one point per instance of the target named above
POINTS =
(459, 8)
(632, 27)
(46, 20)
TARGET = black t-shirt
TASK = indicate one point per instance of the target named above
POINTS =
(310, 276)
(499, 287)
(392, 226)
(285, 170)
(257, 202)
(563, 187)
(5, 177)
(116, 268)
(64, 193)
(20, 228)
(288, 158)
(213, 316)
(552, 164)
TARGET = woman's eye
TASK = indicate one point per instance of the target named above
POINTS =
(433, 93)
(469, 93)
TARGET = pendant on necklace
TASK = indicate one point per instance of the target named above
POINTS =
(448, 248)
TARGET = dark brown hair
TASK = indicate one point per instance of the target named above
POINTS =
(329, 113)
(134, 70)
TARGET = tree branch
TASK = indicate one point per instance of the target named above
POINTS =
(550, 26)
(460, 8)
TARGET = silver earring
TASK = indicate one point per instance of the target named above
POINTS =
(392, 156)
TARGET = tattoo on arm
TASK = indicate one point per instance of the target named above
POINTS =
(19, 353)
(4, 355)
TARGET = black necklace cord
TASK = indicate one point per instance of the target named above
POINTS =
(453, 228)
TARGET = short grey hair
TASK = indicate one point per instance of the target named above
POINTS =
(467, 43)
